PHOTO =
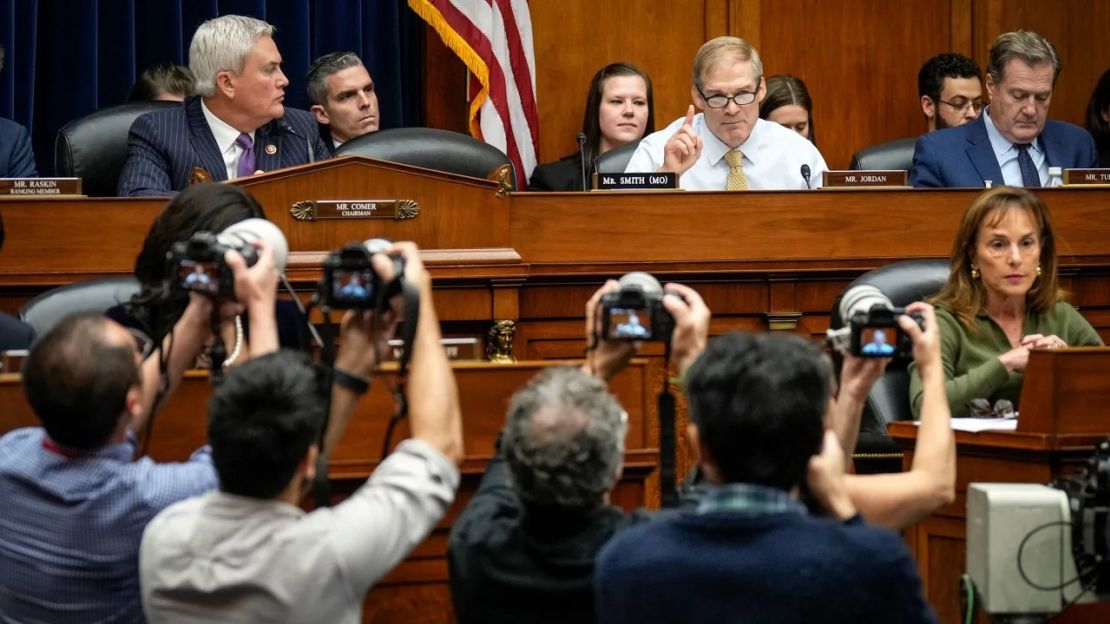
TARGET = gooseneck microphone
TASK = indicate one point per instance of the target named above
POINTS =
(805, 175)
(285, 126)
(582, 155)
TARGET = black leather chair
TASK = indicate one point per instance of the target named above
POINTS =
(615, 160)
(46, 310)
(892, 155)
(889, 401)
(94, 147)
(431, 148)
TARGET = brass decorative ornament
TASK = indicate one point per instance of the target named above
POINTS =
(499, 342)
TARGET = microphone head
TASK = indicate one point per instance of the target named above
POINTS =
(645, 282)
(250, 230)
(805, 171)
(581, 138)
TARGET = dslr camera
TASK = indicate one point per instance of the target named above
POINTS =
(350, 281)
(876, 333)
(636, 312)
(198, 264)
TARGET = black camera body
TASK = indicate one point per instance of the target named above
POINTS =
(876, 333)
(350, 281)
(198, 264)
(635, 314)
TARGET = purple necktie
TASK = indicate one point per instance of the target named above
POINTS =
(246, 160)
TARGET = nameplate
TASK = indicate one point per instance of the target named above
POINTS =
(456, 349)
(865, 179)
(23, 187)
(639, 181)
(316, 209)
(1086, 177)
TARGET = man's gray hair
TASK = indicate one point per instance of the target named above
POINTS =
(1028, 46)
(325, 66)
(564, 439)
(718, 49)
(222, 44)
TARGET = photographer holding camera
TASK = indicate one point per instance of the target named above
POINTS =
(249, 543)
(74, 503)
(523, 549)
(898, 500)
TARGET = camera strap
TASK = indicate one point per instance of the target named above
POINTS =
(321, 484)
(666, 407)
(411, 296)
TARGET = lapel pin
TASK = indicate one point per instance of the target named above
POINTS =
(271, 149)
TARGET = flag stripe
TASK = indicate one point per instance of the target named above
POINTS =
(494, 40)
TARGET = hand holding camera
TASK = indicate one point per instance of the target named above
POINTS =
(691, 324)
(924, 335)
(605, 357)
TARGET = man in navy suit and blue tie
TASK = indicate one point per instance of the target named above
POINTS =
(235, 126)
(1012, 142)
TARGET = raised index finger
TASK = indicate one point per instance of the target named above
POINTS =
(689, 123)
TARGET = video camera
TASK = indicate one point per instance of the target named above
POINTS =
(198, 264)
(636, 312)
(1036, 549)
(350, 281)
(873, 329)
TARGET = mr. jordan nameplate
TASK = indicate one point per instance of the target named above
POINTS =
(315, 209)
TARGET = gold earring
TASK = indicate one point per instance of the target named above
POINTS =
(974, 273)
(1039, 271)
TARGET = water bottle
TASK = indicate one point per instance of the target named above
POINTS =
(1055, 177)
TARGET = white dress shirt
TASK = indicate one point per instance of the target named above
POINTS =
(773, 158)
(225, 137)
(1007, 154)
(226, 558)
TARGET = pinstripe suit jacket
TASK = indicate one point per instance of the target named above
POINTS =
(163, 147)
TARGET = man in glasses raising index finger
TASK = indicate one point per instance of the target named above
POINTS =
(727, 146)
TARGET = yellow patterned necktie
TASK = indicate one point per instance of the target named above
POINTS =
(737, 181)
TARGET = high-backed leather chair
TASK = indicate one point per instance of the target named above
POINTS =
(892, 155)
(889, 400)
(431, 148)
(94, 147)
(46, 310)
(616, 159)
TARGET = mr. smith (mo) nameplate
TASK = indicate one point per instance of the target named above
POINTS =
(36, 187)
(314, 209)
(634, 181)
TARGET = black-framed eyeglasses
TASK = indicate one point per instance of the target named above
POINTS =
(144, 345)
(961, 105)
(720, 101)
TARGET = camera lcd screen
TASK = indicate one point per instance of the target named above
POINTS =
(630, 323)
(352, 286)
(199, 276)
(878, 341)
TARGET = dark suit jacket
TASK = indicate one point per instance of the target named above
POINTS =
(324, 131)
(14, 333)
(963, 156)
(561, 175)
(163, 147)
(16, 158)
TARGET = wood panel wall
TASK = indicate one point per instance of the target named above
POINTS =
(860, 58)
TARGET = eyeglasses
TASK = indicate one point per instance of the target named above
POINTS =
(981, 408)
(961, 105)
(720, 101)
(144, 346)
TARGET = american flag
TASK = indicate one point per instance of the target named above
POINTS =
(494, 40)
